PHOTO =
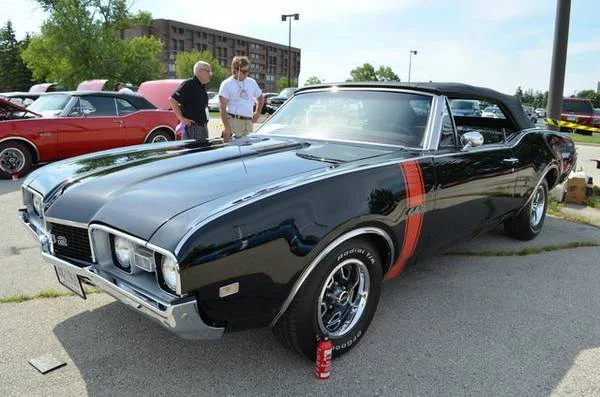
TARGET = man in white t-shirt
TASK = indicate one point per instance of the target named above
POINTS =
(237, 96)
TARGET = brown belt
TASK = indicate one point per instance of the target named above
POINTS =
(235, 116)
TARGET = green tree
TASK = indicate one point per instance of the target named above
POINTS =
(528, 97)
(185, 61)
(366, 72)
(313, 80)
(385, 73)
(591, 95)
(283, 83)
(14, 75)
(538, 100)
(519, 94)
(81, 40)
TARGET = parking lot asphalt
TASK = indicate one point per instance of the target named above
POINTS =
(451, 325)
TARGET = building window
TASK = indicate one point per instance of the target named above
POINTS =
(180, 30)
(171, 67)
(173, 29)
(181, 45)
(199, 46)
(174, 44)
(224, 39)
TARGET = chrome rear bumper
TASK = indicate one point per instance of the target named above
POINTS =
(183, 319)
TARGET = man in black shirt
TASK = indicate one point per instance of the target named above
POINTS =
(190, 102)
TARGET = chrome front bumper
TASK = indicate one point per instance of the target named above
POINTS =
(182, 319)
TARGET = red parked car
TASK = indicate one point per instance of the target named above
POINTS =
(65, 124)
(580, 111)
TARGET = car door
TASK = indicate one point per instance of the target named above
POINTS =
(92, 124)
(474, 186)
(134, 129)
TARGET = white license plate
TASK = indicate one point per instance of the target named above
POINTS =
(571, 118)
(69, 280)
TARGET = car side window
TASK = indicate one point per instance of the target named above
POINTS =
(98, 106)
(448, 135)
(124, 107)
(488, 119)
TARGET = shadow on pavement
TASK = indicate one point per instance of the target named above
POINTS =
(451, 325)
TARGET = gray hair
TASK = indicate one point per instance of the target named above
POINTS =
(201, 65)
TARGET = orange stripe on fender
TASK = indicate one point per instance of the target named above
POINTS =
(415, 192)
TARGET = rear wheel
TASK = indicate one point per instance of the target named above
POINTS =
(338, 299)
(160, 136)
(15, 158)
(529, 222)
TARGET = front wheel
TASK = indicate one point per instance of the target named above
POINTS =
(338, 299)
(529, 222)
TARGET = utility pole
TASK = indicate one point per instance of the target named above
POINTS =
(559, 60)
(283, 18)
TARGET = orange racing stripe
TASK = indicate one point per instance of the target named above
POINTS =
(415, 191)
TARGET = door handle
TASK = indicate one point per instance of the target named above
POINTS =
(118, 122)
(511, 160)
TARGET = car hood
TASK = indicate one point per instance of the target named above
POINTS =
(139, 188)
(13, 107)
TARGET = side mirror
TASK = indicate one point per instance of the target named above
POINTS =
(86, 112)
(471, 139)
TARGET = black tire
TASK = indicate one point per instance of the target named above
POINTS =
(14, 156)
(299, 327)
(529, 222)
(160, 136)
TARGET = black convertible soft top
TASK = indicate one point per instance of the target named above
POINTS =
(452, 91)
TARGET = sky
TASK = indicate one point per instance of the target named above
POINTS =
(501, 45)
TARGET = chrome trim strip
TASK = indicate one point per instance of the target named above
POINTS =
(67, 223)
(334, 244)
(137, 241)
(182, 319)
(156, 128)
(18, 138)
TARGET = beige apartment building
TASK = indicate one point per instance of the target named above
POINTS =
(269, 60)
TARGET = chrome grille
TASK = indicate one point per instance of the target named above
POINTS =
(70, 241)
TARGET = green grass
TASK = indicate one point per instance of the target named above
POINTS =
(527, 251)
(46, 294)
(578, 138)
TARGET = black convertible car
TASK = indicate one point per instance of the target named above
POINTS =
(297, 225)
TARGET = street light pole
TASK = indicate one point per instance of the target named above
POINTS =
(559, 61)
(410, 61)
(283, 18)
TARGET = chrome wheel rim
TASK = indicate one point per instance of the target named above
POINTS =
(159, 138)
(12, 160)
(537, 207)
(343, 298)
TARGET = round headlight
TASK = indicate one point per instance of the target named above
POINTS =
(37, 205)
(170, 270)
(123, 252)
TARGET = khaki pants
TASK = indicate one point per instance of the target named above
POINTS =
(239, 127)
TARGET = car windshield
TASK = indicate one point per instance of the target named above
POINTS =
(50, 105)
(577, 106)
(393, 118)
(287, 92)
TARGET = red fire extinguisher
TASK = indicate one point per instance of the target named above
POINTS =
(323, 359)
(14, 174)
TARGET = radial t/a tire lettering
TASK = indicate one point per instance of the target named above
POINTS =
(339, 299)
